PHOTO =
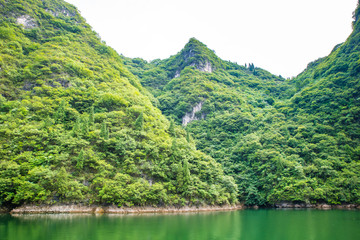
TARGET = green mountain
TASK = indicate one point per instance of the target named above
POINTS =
(196, 75)
(81, 124)
(77, 126)
(282, 140)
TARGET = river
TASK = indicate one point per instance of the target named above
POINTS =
(259, 224)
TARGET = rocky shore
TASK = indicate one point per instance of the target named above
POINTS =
(77, 208)
(3, 210)
(25, 209)
(316, 206)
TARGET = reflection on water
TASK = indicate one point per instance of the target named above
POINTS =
(61, 216)
(237, 225)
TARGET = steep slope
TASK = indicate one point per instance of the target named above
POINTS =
(77, 126)
(283, 141)
(218, 107)
(326, 109)
(196, 74)
(308, 149)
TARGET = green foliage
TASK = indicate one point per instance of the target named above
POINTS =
(139, 123)
(104, 131)
(91, 116)
(62, 91)
(172, 128)
(60, 114)
(80, 160)
(292, 140)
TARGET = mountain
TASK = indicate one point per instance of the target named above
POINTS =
(81, 124)
(197, 75)
(77, 126)
(294, 140)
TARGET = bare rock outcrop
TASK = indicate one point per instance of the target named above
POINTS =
(75, 208)
(61, 12)
(191, 116)
(203, 66)
(27, 21)
(317, 206)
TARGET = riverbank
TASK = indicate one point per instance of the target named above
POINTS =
(316, 206)
(77, 208)
(73, 208)
(4, 210)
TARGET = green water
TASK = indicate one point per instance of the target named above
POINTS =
(246, 225)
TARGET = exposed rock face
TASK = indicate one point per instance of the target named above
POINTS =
(293, 205)
(61, 12)
(191, 116)
(318, 206)
(191, 58)
(78, 208)
(26, 21)
(150, 181)
(177, 74)
(32, 209)
(54, 209)
(204, 67)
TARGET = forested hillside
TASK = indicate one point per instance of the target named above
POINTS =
(81, 124)
(77, 126)
(282, 140)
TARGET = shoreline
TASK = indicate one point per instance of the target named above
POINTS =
(74, 208)
(323, 206)
(99, 209)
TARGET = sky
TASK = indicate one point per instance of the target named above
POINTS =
(281, 36)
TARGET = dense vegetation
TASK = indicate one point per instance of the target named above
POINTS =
(294, 140)
(77, 126)
(79, 123)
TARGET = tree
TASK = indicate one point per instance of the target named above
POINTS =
(188, 137)
(186, 173)
(139, 123)
(48, 122)
(76, 127)
(104, 131)
(60, 114)
(80, 160)
(91, 116)
(172, 128)
(84, 126)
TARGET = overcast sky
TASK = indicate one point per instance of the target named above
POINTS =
(281, 36)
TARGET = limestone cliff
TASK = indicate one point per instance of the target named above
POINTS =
(191, 116)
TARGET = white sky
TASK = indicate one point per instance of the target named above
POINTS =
(281, 36)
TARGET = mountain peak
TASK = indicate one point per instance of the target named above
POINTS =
(196, 44)
(197, 54)
(195, 41)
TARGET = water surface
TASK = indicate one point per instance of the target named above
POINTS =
(240, 225)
